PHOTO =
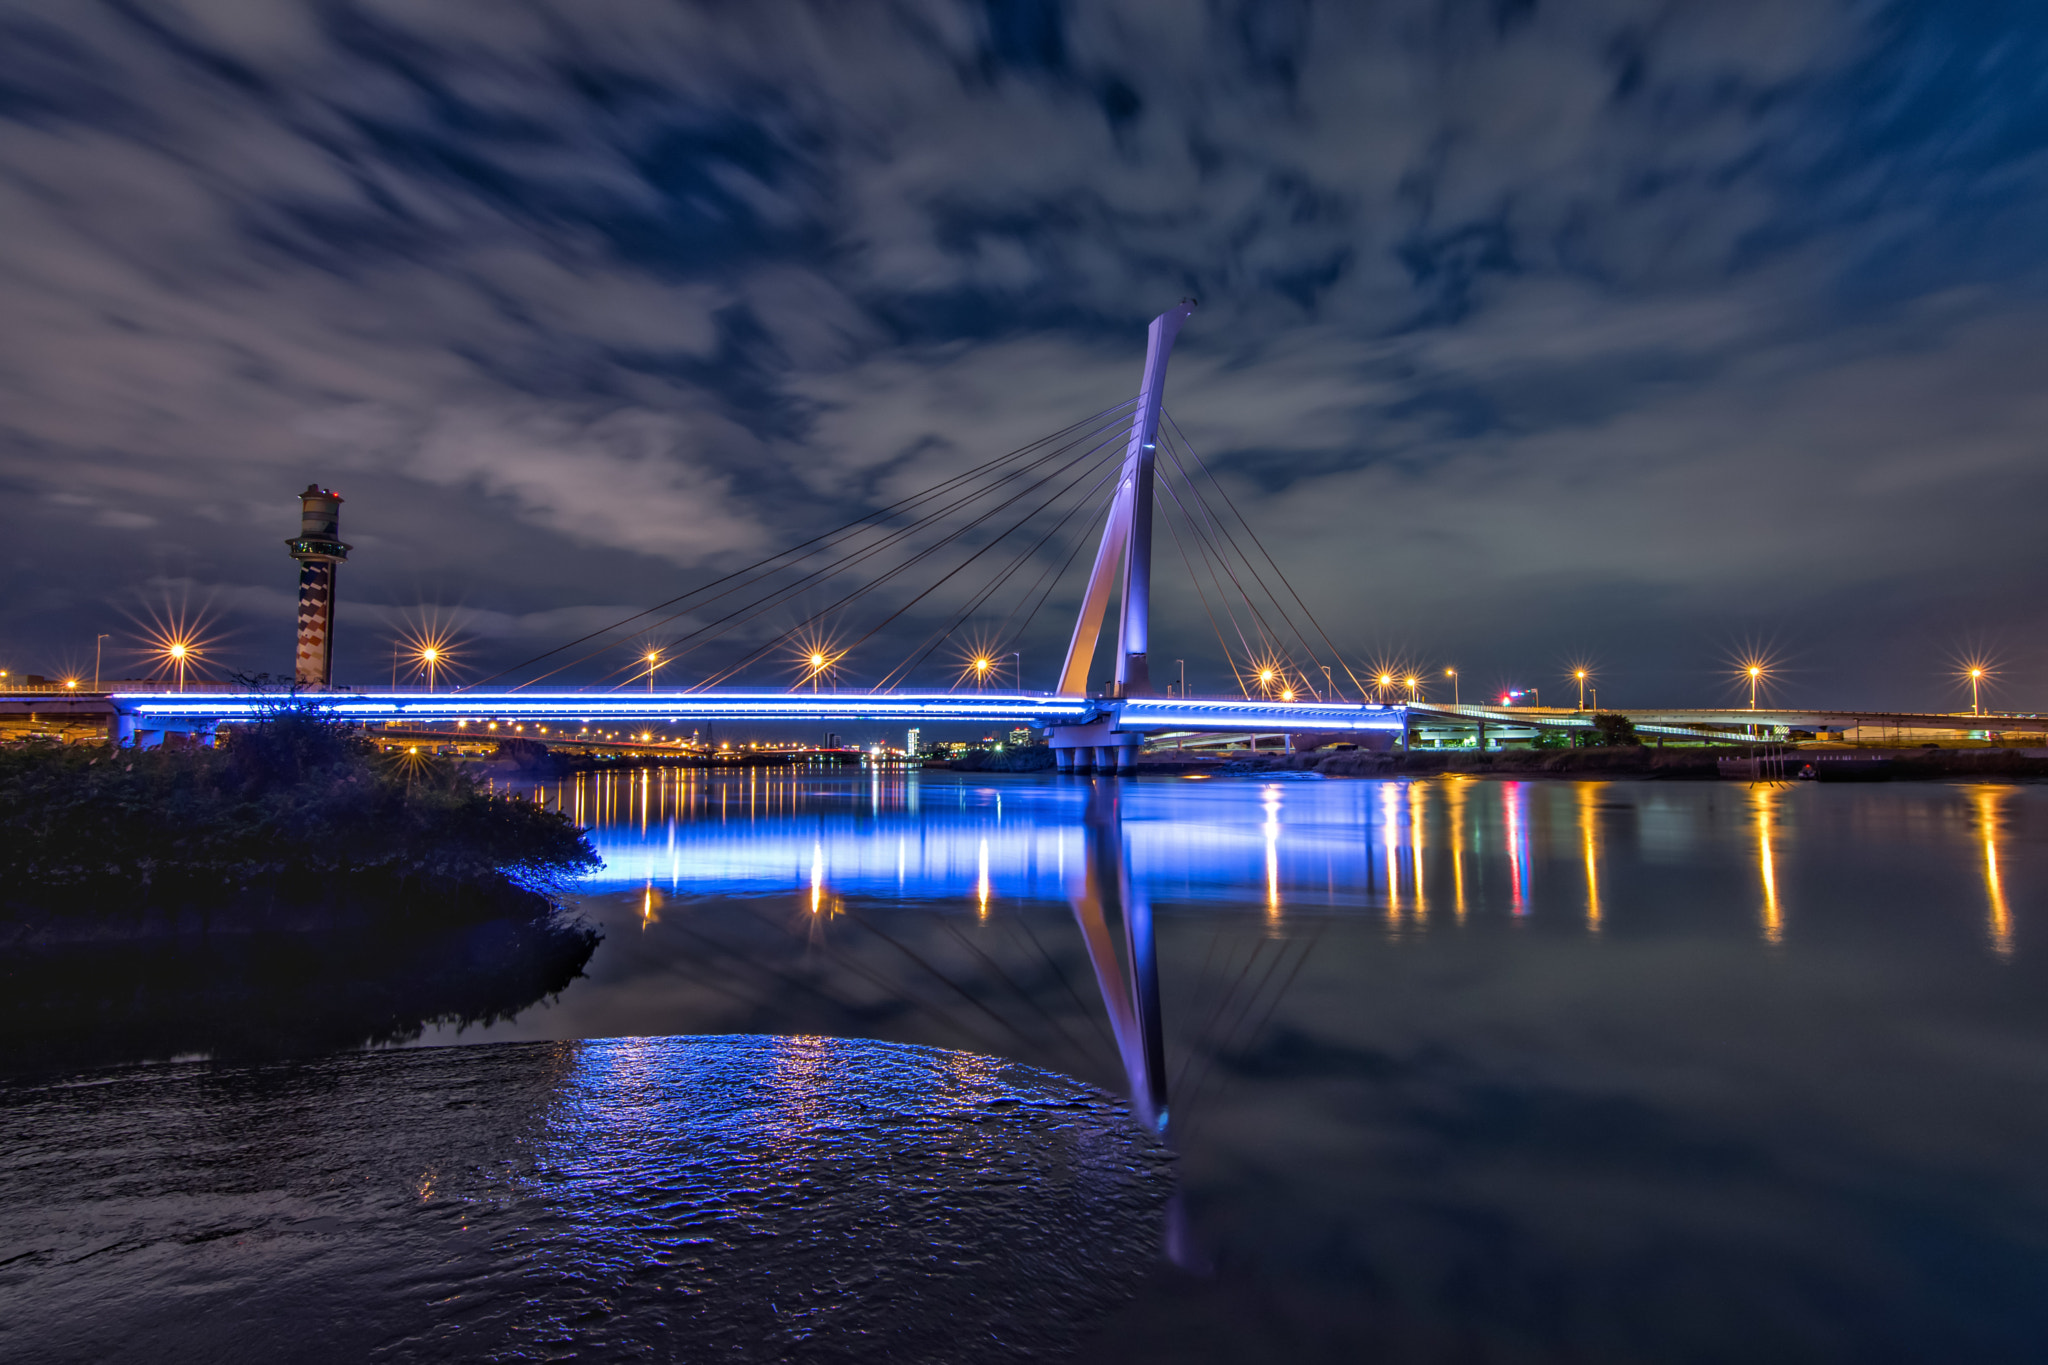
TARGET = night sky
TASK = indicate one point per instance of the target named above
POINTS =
(1529, 332)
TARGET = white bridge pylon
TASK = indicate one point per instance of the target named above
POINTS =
(1127, 537)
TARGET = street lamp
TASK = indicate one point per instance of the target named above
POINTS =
(1386, 681)
(1580, 674)
(1976, 676)
(98, 643)
(653, 661)
(1755, 671)
(1452, 674)
(1182, 665)
(982, 664)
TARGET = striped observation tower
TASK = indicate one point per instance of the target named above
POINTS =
(319, 550)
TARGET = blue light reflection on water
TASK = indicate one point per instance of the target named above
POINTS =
(1698, 1071)
(1409, 850)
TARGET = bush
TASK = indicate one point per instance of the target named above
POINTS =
(294, 795)
(1615, 730)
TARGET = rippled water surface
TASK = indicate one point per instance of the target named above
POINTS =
(1457, 1069)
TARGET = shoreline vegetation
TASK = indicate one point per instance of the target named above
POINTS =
(294, 824)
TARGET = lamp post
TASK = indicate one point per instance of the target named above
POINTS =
(1755, 671)
(430, 659)
(1412, 683)
(1017, 669)
(1182, 665)
(653, 661)
(1452, 674)
(1976, 676)
(1580, 674)
(178, 651)
(99, 643)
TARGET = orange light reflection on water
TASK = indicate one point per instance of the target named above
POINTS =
(1763, 803)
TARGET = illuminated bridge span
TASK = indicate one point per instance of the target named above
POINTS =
(145, 717)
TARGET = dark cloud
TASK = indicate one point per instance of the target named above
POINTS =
(1623, 328)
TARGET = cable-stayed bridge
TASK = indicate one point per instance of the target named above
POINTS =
(967, 564)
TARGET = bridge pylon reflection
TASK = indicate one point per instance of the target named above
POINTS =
(1115, 917)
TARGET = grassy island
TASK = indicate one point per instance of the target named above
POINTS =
(292, 817)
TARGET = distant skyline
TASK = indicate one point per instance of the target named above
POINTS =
(1530, 333)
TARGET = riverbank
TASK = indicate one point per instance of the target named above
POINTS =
(293, 824)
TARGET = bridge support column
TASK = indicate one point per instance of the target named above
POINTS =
(1127, 759)
(1064, 759)
(121, 730)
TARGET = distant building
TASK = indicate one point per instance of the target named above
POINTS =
(1021, 737)
(910, 743)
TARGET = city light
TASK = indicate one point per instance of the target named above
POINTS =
(428, 648)
(1755, 670)
(1977, 671)
(816, 661)
(177, 640)
(176, 648)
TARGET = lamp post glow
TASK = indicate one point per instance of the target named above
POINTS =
(1411, 682)
(1452, 674)
(653, 661)
(178, 652)
(1755, 672)
(1580, 674)
(1976, 677)
(430, 659)
(1386, 681)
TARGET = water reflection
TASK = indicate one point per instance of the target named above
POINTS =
(1763, 802)
(1989, 805)
(260, 995)
(1589, 840)
(1399, 849)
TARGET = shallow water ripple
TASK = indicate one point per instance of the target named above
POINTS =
(740, 1198)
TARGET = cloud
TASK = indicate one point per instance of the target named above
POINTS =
(1508, 312)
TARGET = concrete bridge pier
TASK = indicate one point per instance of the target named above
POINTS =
(1064, 760)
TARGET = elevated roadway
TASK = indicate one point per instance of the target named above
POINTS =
(1072, 723)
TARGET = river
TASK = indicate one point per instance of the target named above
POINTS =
(1447, 1069)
